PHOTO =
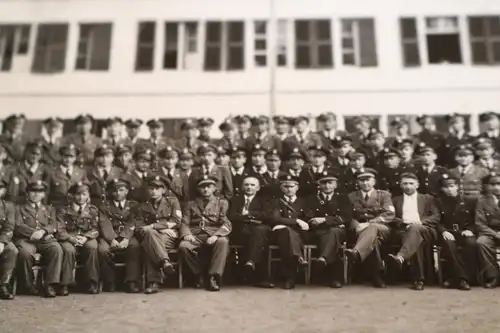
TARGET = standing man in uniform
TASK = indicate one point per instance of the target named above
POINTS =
(156, 140)
(34, 233)
(189, 139)
(83, 139)
(457, 135)
(13, 137)
(429, 135)
(186, 162)
(342, 147)
(102, 171)
(329, 133)
(402, 129)
(114, 127)
(303, 136)
(491, 122)
(470, 177)
(237, 167)
(77, 231)
(133, 128)
(428, 173)
(52, 139)
(205, 228)
(270, 179)
(177, 184)
(261, 135)
(313, 172)
(229, 139)
(363, 127)
(204, 129)
(282, 127)
(124, 158)
(376, 141)
(8, 251)
(244, 125)
(485, 153)
(137, 176)
(390, 174)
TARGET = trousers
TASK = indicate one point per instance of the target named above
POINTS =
(8, 259)
(131, 255)
(201, 257)
(488, 267)
(462, 261)
(89, 257)
(155, 246)
(52, 256)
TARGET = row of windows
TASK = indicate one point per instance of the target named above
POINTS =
(224, 44)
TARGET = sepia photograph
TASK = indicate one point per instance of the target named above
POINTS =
(279, 166)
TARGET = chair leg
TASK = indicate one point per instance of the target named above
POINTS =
(179, 269)
(308, 257)
(14, 285)
(439, 265)
(269, 262)
(345, 262)
(144, 278)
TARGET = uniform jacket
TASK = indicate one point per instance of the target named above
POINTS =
(390, 180)
(257, 210)
(138, 191)
(116, 222)
(347, 181)
(227, 143)
(374, 159)
(294, 140)
(337, 211)
(308, 180)
(115, 143)
(29, 219)
(224, 183)
(470, 184)
(192, 146)
(51, 149)
(429, 182)
(495, 140)
(19, 178)
(87, 148)
(59, 183)
(427, 210)
(327, 139)
(493, 165)
(177, 186)
(71, 223)
(210, 218)
(339, 164)
(378, 208)
(156, 146)
(7, 221)
(268, 141)
(237, 180)
(14, 146)
(359, 140)
(487, 217)
(431, 138)
(285, 213)
(269, 186)
(98, 184)
(168, 211)
(445, 153)
(457, 214)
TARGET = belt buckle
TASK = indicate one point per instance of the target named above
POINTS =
(120, 228)
(202, 223)
(455, 227)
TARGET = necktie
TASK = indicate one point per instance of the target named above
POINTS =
(462, 172)
(366, 197)
(247, 203)
(105, 175)
(120, 205)
(68, 174)
(80, 209)
(170, 176)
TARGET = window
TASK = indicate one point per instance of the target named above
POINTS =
(224, 46)
(281, 43)
(144, 60)
(409, 41)
(175, 52)
(14, 40)
(170, 58)
(192, 58)
(485, 39)
(359, 47)
(443, 40)
(260, 46)
(313, 44)
(50, 48)
(94, 45)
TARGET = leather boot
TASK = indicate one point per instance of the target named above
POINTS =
(5, 292)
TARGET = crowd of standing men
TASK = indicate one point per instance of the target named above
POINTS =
(84, 198)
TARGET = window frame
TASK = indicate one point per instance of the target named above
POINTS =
(313, 43)
(224, 45)
(145, 45)
(488, 40)
(89, 41)
(260, 37)
(49, 50)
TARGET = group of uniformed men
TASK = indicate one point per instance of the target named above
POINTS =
(81, 198)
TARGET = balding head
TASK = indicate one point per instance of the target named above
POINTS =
(251, 185)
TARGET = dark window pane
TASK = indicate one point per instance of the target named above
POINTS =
(347, 26)
(348, 59)
(260, 27)
(147, 32)
(170, 60)
(281, 60)
(302, 32)
(476, 27)
(50, 48)
(302, 57)
(8, 52)
(171, 33)
(235, 32)
(145, 59)
(408, 28)
(213, 32)
(57, 60)
(260, 60)
(80, 63)
(23, 45)
(347, 43)
(212, 58)
(101, 39)
(325, 56)
(479, 53)
(260, 44)
(494, 26)
(496, 52)
(444, 49)
(235, 58)
(411, 56)
(323, 30)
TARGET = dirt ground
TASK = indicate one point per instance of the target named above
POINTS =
(353, 309)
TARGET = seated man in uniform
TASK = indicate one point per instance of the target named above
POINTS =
(77, 225)
(250, 227)
(488, 230)
(158, 220)
(457, 229)
(116, 228)
(415, 223)
(288, 218)
(330, 213)
(35, 229)
(8, 251)
(205, 228)
(372, 212)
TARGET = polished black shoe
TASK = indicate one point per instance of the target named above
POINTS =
(213, 284)
(264, 284)
(446, 284)
(336, 284)
(5, 292)
(132, 288)
(109, 287)
(63, 291)
(352, 255)
(152, 288)
(490, 284)
(200, 282)
(320, 262)
(50, 292)
(395, 261)
(379, 283)
(93, 289)
(463, 285)
(289, 284)
(168, 268)
(417, 285)
(302, 262)
(249, 268)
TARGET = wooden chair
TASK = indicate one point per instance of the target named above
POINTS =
(37, 274)
(271, 259)
(308, 249)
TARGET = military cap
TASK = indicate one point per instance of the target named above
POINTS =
(287, 178)
(296, 152)
(36, 186)
(154, 123)
(69, 150)
(122, 149)
(79, 187)
(258, 149)
(155, 181)
(366, 173)
(374, 133)
(103, 150)
(114, 120)
(207, 179)
(15, 118)
(360, 119)
(447, 180)
(117, 183)
(398, 122)
(133, 123)
(491, 179)
(35, 144)
(281, 120)
(483, 143)
(340, 141)
(423, 148)
(390, 152)
(185, 154)
(319, 150)
(273, 154)
(145, 154)
(451, 118)
(355, 154)
(298, 119)
(325, 116)
(260, 120)
(84, 118)
(206, 148)
(421, 119)
(226, 125)
(240, 119)
(410, 175)
(487, 116)
(400, 143)
(205, 122)
(328, 175)
(188, 124)
(464, 149)
(167, 152)
(222, 151)
(237, 150)
(53, 121)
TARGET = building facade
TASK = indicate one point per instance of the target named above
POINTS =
(183, 58)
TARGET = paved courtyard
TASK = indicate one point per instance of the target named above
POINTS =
(353, 309)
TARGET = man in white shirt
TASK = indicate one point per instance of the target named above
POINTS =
(416, 220)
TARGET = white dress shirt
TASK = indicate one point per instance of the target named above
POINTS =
(245, 207)
(237, 172)
(410, 209)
